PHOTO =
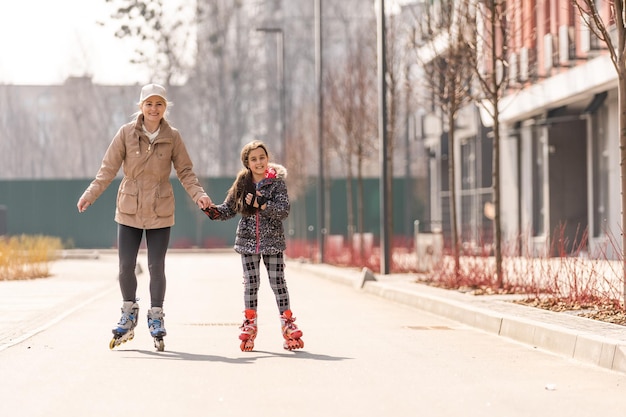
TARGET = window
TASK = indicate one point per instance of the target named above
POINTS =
(600, 168)
(538, 179)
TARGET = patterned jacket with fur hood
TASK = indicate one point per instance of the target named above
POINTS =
(258, 231)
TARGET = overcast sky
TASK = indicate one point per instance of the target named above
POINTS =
(46, 41)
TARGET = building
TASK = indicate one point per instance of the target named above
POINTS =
(560, 176)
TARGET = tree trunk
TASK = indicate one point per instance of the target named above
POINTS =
(622, 149)
(452, 186)
(360, 214)
(496, 193)
(350, 208)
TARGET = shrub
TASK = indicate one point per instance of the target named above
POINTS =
(27, 257)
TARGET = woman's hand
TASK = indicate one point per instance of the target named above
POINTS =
(204, 202)
(82, 205)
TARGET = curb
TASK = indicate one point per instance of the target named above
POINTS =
(586, 340)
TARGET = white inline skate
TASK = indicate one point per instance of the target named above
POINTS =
(156, 324)
(125, 329)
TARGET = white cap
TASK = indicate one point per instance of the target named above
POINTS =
(150, 90)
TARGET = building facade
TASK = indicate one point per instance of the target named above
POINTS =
(559, 146)
(561, 131)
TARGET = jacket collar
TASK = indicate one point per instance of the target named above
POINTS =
(165, 130)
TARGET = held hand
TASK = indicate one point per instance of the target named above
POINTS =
(211, 212)
(82, 205)
(204, 202)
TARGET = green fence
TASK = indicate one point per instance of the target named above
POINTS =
(48, 207)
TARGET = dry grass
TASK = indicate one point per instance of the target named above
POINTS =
(587, 285)
(556, 278)
(27, 257)
(608, 311)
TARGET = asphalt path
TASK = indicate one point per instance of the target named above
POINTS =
(363, 355)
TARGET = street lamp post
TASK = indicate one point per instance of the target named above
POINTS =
(385, 233)
(321, 227)
(280, 64)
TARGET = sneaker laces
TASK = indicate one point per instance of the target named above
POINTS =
(247, 325)
(289, 323)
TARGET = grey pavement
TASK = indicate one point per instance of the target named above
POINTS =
(372, 348)
(591, 341)
(28, 307)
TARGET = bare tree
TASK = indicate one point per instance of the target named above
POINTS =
(394, 81)
(164, 37)
(18, 132)
(8, 137)
(489, 40)
(302, 141)
(218, 80)
(446, 61)
(207, 49)
(600, 22)
(352, 129)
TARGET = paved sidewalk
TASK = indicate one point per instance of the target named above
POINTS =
(591, 341)
(28, 307)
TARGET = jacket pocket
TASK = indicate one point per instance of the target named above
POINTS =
(165, 200)
(127, 198)
(163, 151)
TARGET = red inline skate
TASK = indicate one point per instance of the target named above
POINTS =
(248, 331)
(291, 333)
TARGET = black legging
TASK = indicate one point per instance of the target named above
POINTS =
(128, 241)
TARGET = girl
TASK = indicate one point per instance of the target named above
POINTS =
(259, 194)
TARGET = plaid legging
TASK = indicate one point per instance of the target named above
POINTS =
(275, 266)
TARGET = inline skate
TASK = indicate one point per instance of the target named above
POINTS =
(125, 329)
(291, 333)
(156, 325)
(248, 331)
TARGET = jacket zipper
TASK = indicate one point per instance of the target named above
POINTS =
(257, 221)
(258, 234)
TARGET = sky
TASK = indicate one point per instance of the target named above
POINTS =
(46, 41)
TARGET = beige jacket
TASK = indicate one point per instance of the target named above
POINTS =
(145, 198)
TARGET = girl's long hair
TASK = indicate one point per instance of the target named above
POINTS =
(242, 185)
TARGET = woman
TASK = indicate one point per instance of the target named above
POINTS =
(146, 149)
